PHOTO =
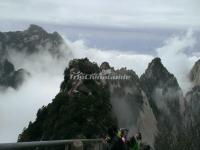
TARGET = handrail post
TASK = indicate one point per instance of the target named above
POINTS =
(66, 146)
(77, 145)
(97, 146)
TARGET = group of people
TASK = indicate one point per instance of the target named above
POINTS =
(118, 140)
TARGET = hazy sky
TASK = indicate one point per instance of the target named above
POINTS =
(123, 13)
(128, 25)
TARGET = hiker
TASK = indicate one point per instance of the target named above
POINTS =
(132, 144)
(114, 141)
(123, 134)
(141, 146)
(124, 137)
(135, 142)
(138, 137)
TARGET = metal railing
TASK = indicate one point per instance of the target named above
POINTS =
(74, 144)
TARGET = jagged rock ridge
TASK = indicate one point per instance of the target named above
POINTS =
(157, 76)
(30, 41)
(165, 97)
(195, 73)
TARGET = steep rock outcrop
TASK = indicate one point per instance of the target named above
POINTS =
(81, 109)
(9, 77)
(161, 87)
(195, 73)
(130, 104)
(165, 97)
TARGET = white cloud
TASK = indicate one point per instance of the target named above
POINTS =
(128, 13)
(175, 59)
(17, 108)
(137, 62)
(173, 53)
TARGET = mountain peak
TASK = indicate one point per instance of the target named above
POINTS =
(155, 62)
(104, 66)
(84, 66)
(157, 76)
(156, 69)
(32, 40)
(35, 29)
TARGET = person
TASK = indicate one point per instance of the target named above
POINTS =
(133, 145)
(141, 146)
(114, 141)
(139, 139)
(124, 134)
(135, 142)
(138, 136)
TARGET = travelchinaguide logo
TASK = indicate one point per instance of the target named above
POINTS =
(104, 75)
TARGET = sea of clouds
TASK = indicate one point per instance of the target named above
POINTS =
(18, 107)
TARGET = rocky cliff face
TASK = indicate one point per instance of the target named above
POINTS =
(9, 77)
(192, 121)
(130, 103)
(195, 73)
(165, 97)
(157, 76)
(192, 97)
(162, 88)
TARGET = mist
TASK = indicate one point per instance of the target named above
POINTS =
(18, 107)
(177, 57)
(176, 53)
(116, 59)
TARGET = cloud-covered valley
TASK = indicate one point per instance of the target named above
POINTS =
(18, 107)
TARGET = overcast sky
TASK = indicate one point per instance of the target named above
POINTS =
(123, 13)
(126, 33)
(128, 25)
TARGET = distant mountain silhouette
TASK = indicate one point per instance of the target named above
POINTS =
(30, 41)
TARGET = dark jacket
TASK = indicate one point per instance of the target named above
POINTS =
(117, 144)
